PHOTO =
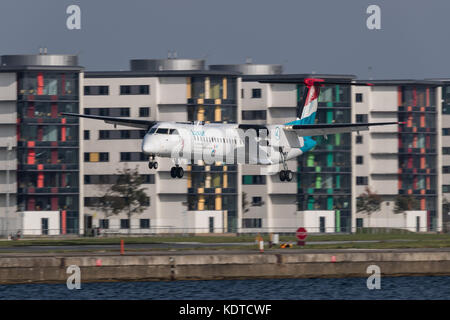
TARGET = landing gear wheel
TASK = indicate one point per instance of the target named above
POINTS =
(282, 175)
(150, 165)
(289, 175)
(155, 165)
(173, 172)
(180, 172)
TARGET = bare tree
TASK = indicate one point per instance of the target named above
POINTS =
(125, 194)
(368, 202)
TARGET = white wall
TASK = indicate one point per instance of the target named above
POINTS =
(31, 222)
(310, 220)
(8, 86)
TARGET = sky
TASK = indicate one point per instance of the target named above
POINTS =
(321, 36)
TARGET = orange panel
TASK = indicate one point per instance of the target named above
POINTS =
(422, 204)
(40, 180)
(422, 162)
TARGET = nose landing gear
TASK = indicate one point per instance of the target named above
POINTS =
(152, 164)
(176, 172)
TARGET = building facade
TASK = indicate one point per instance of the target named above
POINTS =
(45, 168)
(63, 164)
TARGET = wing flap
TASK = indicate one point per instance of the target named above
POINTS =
(143, 124)
(307, 130)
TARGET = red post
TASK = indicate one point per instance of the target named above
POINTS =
(63, 224)
(122, 248)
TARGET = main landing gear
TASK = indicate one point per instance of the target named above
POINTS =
(286, 174)
(152, 163)
(176, 172)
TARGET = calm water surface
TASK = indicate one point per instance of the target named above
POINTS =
(296, 289)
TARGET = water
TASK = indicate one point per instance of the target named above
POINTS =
(286, 289)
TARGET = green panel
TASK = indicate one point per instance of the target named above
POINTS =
(310, 161)
(310, 203)
(329, 160)
(330, 203)
(338, 220)
(318, 169)
(338, 139)
(329, 116)
(248, 179)
(338, 181)
(318, 182)
(337, 93)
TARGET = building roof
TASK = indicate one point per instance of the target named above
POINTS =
(397, 82)
(294, 78)
(168, 73)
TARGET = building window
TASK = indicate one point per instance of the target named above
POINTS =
(124, 224)
(250, 179)
(359, 159)
(446, 131)
(133, 156)
(144, 223)
(361, 118)
(359, 97)
(96, 90)
(446, 150)
(242, 93)
(445, 108)
(251, 223)
(103, 134)
(111, 112)
(359, 139)
(96, 156)
(254, 115)
(257, 201)
(124, 112)
(121, 134)
(362, 181)
(446, 169)
(446, 188)
(256, 93)
(149, 178)
(144, 112)
(135, 90)
(103, 223)
(86, 135)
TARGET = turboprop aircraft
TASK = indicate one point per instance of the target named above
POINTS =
(237, 143)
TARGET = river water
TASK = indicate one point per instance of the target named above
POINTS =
(273, 289)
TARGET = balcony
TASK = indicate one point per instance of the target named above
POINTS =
(318, 169)
(46, 190)
(49, 167)
(324, 191)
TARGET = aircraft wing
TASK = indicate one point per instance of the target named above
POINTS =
(143, 124)
(306, 130)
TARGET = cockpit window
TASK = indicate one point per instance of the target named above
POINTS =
(152, 130)
(173, 131)
(162, 131)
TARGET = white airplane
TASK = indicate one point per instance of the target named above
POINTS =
(275, 144)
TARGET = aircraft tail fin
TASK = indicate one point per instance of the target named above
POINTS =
(306, 112)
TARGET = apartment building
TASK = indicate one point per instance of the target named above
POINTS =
(60, 164)
(205, 200)
(40, 150)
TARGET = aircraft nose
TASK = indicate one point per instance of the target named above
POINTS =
(148, 145)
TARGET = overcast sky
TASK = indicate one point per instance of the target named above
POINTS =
(324, 36)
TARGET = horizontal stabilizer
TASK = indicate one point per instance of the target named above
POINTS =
(307, 130)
